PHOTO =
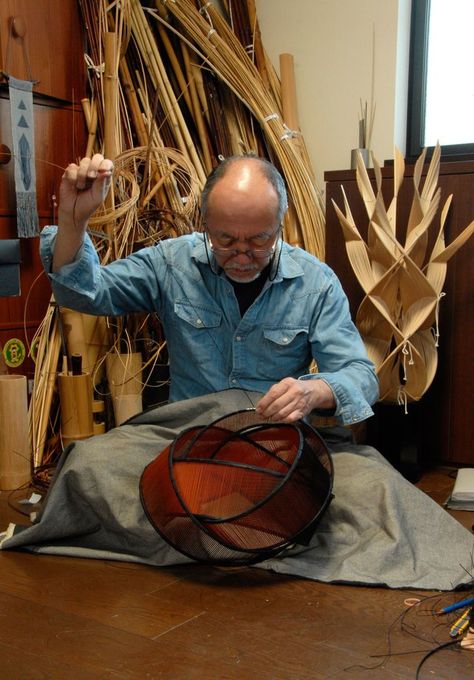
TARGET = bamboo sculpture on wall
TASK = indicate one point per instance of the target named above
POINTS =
(403, 282)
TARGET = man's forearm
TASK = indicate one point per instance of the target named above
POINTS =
(69, 239)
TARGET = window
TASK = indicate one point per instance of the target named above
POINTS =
(441, 81)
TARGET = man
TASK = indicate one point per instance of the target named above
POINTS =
(239, 307)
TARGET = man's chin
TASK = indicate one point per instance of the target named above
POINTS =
(242, 276)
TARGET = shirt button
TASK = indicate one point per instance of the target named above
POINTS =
(238, 338)
(285, 340)
(199, 322)
(234, 381)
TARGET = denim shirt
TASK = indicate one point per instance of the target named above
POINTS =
(301, 314)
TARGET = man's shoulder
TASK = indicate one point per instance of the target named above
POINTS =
(309, 263)
(185, 242)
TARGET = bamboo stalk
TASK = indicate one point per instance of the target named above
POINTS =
(90, 114)
(111, 148)
(196, 110)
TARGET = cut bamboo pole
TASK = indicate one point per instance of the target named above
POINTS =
(75, 396)
(288, 92)
(124, 373)
(90, 114)
(15, 447)
(111, 145)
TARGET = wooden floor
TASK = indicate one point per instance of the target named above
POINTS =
(63, 617)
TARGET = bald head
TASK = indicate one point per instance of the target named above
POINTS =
(246, 181)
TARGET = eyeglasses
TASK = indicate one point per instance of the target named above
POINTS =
(251, 251)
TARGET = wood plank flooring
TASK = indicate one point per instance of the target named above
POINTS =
(63, 617)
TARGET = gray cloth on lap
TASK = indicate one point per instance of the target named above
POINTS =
(379, 528)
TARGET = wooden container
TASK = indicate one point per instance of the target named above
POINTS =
(15, 447)
(75, 394)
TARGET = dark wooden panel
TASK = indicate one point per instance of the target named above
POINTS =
(444, 415)
(53, 42)
(21, 315)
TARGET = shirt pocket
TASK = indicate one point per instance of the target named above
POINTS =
(287, 352)
(197, 316)
(196, 333)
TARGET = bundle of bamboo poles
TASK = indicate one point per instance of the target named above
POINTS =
(211, 38)
(186, 81)
(174, 88)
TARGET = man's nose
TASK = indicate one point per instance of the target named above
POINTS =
(243, 254)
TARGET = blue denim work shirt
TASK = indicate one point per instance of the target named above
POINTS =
(300, 315)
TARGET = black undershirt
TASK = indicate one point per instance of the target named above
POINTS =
(246, 293)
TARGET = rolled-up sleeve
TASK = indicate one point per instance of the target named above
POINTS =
(341, 356)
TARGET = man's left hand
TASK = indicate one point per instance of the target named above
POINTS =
(290, 400)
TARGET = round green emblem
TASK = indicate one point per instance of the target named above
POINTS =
(14, 352)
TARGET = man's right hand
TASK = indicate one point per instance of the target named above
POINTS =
(83, 188)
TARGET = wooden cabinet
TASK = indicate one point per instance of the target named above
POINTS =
(442, 422)
(53, 45)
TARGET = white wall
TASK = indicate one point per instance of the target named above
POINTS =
(331, 42)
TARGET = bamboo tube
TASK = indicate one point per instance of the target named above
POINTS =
(126, 406)
(92, 127)
(73, 329)
(124, 373)
(198, 80)
(75, 395)
(15, 447)
(111, 147)
(97, 342)
(86, 109)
